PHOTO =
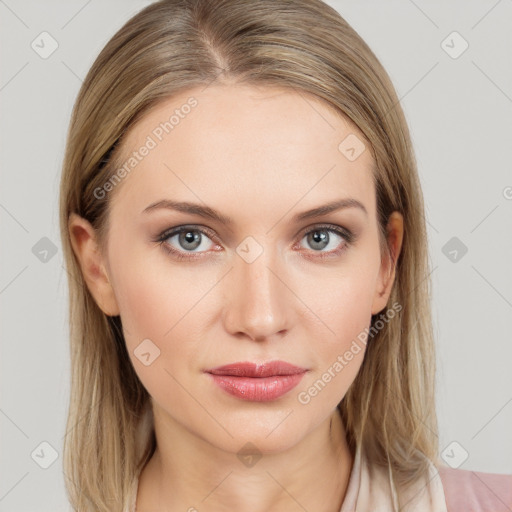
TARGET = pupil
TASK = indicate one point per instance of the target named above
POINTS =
(190, 237)
(320, 237)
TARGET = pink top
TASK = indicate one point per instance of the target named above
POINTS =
(475, 491)
(448, 490)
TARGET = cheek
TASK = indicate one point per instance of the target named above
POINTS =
(348, 315)
(340, 305)
(337, 356)
(152, 294)
(163, 314)
(340, 300)
(351, 301)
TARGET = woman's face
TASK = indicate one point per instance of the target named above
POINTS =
(267, 285)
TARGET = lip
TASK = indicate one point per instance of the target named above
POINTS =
(258, 383)
(249, 369)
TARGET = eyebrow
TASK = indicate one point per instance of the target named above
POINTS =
(207, 212)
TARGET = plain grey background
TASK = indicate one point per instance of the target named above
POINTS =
(458, 102)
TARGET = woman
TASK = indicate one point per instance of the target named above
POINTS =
(284, 360)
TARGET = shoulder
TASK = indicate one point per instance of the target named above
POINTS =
(476, 491)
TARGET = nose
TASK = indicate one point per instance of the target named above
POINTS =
(258, 302)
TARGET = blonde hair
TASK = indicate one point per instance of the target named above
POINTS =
(305, 45)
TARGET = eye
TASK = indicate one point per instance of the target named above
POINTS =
(328, 236)
(188, 239)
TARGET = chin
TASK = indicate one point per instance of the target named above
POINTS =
(274, 432)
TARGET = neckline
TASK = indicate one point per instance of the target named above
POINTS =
(359, 477)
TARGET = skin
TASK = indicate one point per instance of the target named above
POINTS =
(259, 155)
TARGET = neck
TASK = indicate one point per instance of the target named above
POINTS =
(189, 473)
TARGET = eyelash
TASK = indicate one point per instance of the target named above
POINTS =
(346, 234)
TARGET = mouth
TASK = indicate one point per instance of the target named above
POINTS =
(258, 383)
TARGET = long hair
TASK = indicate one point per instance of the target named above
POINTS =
(305, 45)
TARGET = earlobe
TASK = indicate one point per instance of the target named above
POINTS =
(386, 277)
(83, 241)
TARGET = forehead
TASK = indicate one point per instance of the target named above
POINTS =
(246, 144)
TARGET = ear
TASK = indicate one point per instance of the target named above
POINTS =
(386, 277)
(83, 240)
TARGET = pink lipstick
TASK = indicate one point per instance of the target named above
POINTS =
(257, 383)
